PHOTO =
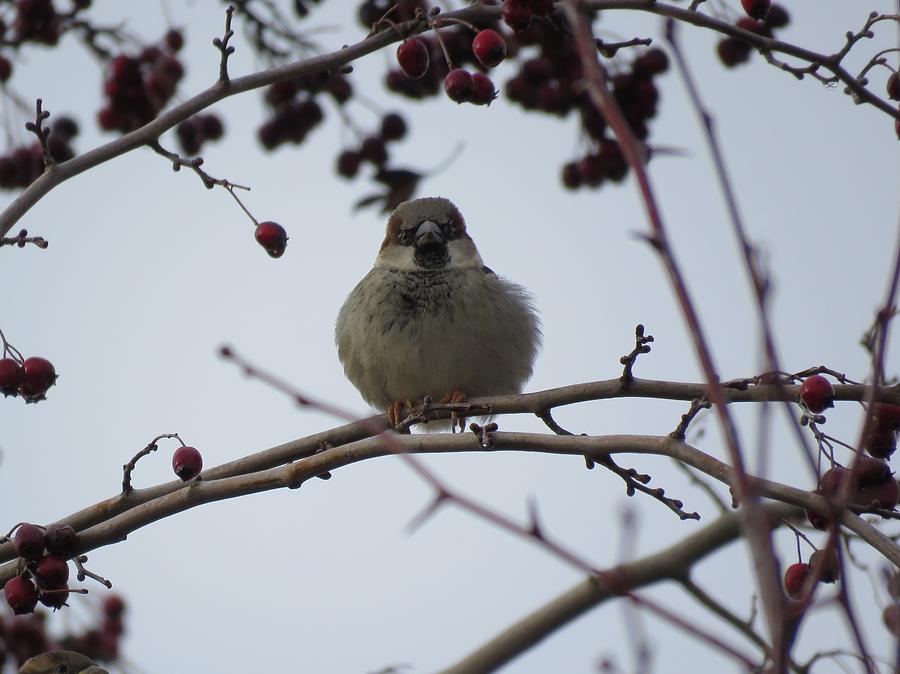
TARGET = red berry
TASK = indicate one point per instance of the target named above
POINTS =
(832, 480)
(732, 51)
(886, 415)
(882, 442)
(651, 62)
(831, 568)
(756, 8)
(893, 86)
(5, 69)
(458, 85)
(489, 48)
(516, 14)
(571, 176)
(61, 540)
(38, 376)
(113, 607)
(891, 618)
(52, 571)
(348, 163)
(483, 91)
(777, 17)
(10, 376)
(187, 462)
(412, 55)
(29, 542)
(212, 126)
(872, 472)
(21, 595)
(817, 393)
(374, 151)
(272, 237)
(754, 26)
(393, 126)
(794, 578)
(884, 495)
(174, 39)
(55, 597)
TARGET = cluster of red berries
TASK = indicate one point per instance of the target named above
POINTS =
(137, 87)
(763, 18)
(296, 111)
(101, 645)
(29, 378)
(187, 462)
(796, 574)
(196, 130)
(22, 165)
(374, 148)
(873, 487)
(45, 575)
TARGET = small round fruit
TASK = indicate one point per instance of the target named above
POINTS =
(10, 377)
(483, 91)
(794, 578)
(187, 463)
(29, 542)
(517, 14)
(348, 163)
(882, 442)
(893, 86)
(53, 571)
(412, 56)
(113, 607)
(891, 618)
(885, 414)
(817, 394)
(20, 594)
(61, 540)
(55, 597)
(489, 48)
(38, 375)
(831, 568)
(777, 17)
(271, 236)
(756, 8)
(393, 126)
(458, 85)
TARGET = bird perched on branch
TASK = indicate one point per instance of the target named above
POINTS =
(430, 319)
(61, 662)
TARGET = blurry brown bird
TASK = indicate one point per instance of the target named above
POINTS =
(61, 662)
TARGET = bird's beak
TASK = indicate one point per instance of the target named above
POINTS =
(428, 234)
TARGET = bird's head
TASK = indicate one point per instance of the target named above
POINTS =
(60, 662)
(427, 234)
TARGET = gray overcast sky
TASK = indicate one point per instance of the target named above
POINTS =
(148, 272)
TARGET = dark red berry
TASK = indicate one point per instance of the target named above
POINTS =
(516, 14)
(65, 127)
(754, 26)
(393, 126)
(872, 472)
(882, 442)
(271, 236)
(571, 176)
(11, 375)
(884, 495)
(212, 126)
(732, 51)
(817, 393)
(489, 48)
(174, 39)
(777, 17)
(412, 56)
(29, 542)
(887, 415)
(831, 568)
(20, 594)
(187, 462)
(348, 163)
(61, 540)
(651, 62)
(794, 578)
(832, 480)
(893, 86)
(483, 91)
(5, 69)
(113, 607)
(756, 8)
(52, 571)
(55, 597)
(458, 85)
(373, 150)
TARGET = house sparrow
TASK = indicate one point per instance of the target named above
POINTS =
(61, 662)
(430, 319)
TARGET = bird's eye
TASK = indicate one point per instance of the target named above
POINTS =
(449, 230)
(62, 669)
(405, 237)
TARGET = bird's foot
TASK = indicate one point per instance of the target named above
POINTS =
(395, 414)
(456, 420)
